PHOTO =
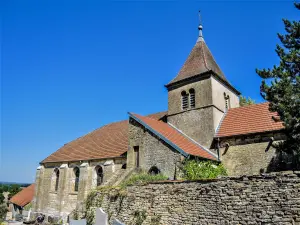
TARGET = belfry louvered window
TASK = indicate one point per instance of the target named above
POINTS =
(192, 98)
(227, 101)
(184, 100)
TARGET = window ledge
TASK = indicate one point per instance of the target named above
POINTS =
(73, 193)
(53, 192)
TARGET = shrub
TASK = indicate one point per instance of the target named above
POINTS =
(28, 206)
(1, 198)
(3, 211)
(195, 169)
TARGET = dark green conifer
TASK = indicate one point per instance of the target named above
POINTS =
(283, 90)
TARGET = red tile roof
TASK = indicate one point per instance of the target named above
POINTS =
(173, 137)
(24, 197)
(199, 61)
(247, 120)
(106, 142)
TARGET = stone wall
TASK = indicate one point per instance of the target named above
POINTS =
(200, 123)
(249, 154)
(197, 123)
(218, 90)
(248, 159)
(263, 199)
(57, 204)
(153, 151)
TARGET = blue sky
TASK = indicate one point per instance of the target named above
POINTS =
(69, 67)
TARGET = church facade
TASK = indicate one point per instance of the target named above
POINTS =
(204, 120)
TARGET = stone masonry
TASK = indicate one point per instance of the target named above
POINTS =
(249, 154)
(153, 151)
(200, 123)
(58, 204)
(262, 199)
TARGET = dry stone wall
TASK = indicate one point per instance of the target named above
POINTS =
(263, 199)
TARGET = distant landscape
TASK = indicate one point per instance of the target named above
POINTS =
(10, 183)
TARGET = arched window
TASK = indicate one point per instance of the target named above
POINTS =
(154, 170)
(76, 174)
(192, 98)
(99, 172)
(184, 100)
(55, 179)
(124, 166)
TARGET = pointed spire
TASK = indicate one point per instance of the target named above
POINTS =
(200, 61)
(200, 27)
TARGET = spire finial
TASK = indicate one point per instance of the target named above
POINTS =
(200, 38)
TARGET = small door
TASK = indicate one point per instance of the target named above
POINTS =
(137, 156)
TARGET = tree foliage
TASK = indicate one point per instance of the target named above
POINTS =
(12, 189)
(1, 198)
(244, 101)
(281, 87)
(3, 211)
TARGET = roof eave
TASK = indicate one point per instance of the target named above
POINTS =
(203, 75)
(63, 161)
(250, 133)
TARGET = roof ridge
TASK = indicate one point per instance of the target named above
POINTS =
(105, 125)
(203, 55)
(251, 119)
(249, 106)
(183, 64)
(166, 132)
(89, 145)
(199, 61)
(86, 135)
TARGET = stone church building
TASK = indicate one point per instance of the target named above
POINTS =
(203, 120)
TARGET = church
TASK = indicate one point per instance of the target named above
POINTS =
(203, 120)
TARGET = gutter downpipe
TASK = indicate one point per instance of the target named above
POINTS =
(218, 149)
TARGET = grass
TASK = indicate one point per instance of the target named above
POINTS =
(142, 178)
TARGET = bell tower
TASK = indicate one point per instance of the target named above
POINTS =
(199, 95)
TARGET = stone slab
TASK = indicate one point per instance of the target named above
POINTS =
(101, 217)
(117, 222)
(78, 222)
(9, 216)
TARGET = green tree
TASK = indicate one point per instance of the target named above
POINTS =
(1, 198)
(281, 87)
(14, 189)
(246, 101)
(3, 211)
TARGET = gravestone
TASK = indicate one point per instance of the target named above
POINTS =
(9, 216)
(28, 216)
(78, 222)
(101, 217)
(117, 222)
